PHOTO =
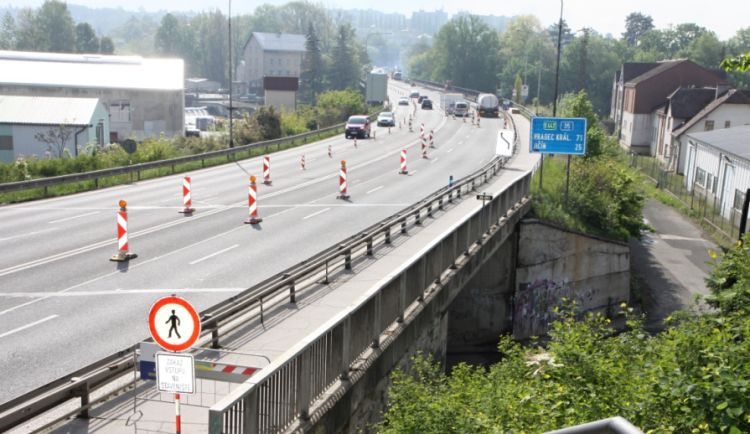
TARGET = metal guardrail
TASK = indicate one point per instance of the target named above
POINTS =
(228, 315)
(470, 94)
(613, 425)
(284, 391)
(138, 168)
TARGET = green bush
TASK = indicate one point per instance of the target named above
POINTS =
(729, 281)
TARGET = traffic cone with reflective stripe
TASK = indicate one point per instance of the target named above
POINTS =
(122, 235)
(403, 170)
(267, 170)
(186, 198)
(342, 182)
(252, 200)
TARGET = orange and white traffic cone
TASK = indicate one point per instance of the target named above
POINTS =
(252, 201)
(186, 198)
(403, 170)
(123, 254)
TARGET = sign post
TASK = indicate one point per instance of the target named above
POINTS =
(524, 92)
(175, 326)
(565, 136)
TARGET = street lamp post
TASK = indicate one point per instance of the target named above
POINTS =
(231, 130)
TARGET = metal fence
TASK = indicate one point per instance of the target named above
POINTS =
(700, 202)
(96, 175)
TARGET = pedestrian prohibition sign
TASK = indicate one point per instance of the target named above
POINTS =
(174, 324)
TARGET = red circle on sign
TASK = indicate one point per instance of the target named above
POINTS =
(152, 324)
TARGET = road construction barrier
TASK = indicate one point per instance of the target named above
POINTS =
(421, 130)
(267, 170)
(432, 143)
(464, 117)
(252, 202)
(403, 170)
(355, 141)
(479, 119)
(374, 135)
(122, 235)
(424, 147)
(410, 124)
(330, 155)
(303, 162)
(342, 182)
(472, 118)
(389, 129)
(186, 197)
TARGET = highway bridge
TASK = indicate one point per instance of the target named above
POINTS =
(64, 305)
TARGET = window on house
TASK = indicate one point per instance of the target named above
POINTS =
(700, 177)
(709, 126)
(709, 181)
(119, 111)
(739, 199)
(288, 74)
(727, 123)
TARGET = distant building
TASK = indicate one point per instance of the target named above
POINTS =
(79, 121)
(719, 168)
(640, 88)
(269, 54)
(499, 23)
(364, 19)
(202, 85)
(690, 110)
(428, 22)
(281, 92)
(144, 97)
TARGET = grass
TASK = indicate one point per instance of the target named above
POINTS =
(77, 187)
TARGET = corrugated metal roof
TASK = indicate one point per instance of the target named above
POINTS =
(40, 110)
(731, 140)
(280, 41)
(71, 70)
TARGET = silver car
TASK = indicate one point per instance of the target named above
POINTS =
(386, 119)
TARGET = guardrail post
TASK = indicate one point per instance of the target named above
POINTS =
(214, 326)
(429, 210)
(403, 226)
(292, 289)
(369, 247)
(347, 257)
(376, 321)
(346, 351)
(387, 235)
(401, 297)
(303, 385)
(440, 203)
(139, 175)
(82, 391)
(418, 220)
(96, 182)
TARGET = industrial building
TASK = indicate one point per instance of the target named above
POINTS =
(72, 122)
(144, 97)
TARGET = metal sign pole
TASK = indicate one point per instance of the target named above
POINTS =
(567, 185)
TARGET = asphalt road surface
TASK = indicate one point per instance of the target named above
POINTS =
(64, 305)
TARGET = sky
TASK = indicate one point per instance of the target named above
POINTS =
(724, 17)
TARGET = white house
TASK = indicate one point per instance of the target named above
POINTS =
(272, 54)
(718, 166)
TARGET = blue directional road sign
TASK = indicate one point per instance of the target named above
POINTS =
(565, 136)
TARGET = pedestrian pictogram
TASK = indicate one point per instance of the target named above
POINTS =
(174, 324)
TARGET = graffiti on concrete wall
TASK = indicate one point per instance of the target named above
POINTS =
(533, 305)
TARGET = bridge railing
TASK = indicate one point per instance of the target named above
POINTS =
(284, 391)
(138, 168)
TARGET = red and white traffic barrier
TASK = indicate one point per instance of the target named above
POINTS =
(122, 235)
(227, 369)
(472, 118)
(432, 143)
(454, 115)
(389, 129)
(252, 202)
(355, 141)
(342, 182)
(303, 162)
(186, 198)
(479, 119)
(424, 147)
(403, 170)
(421, 130)
(410, 130)
(464, 117)
(374, 135)
(330, 155)
(178, 427)
(267, 170)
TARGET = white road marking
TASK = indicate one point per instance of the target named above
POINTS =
(434, 160)
(356, 181)
(480, 161)
(27, 326)
(461, 142)
(310, 161)
(214, 254)
(119, 292)
(449, 151)
(25, 235)
(75, 217)
(677, 237)
(316, 213)
(374, 189)
(413, 171)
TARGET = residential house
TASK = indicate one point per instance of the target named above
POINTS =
(274, 54)
(281, 92)
(718, 167)
(691, 110)
(640, 88)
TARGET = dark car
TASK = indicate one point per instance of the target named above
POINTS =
(427, 104)
(358, 126)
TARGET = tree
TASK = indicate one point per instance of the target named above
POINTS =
(56, 138)
(8, 32)
(313, 70)
(215, 46)
(554, 32)
(345, 65)
(56, 28)
(265, 19)
(27, 32)
(106, 45)
(168, 38)
(705, 50)
(518, 87)
(465, 49)
(86, 40)
(636, 24)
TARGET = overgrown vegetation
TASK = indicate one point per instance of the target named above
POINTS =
(603, 198)
(692, 378)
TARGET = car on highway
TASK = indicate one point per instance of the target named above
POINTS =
(357, 126)
(404, 100)
(414, 94)
(426, 104)
(386, 119)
